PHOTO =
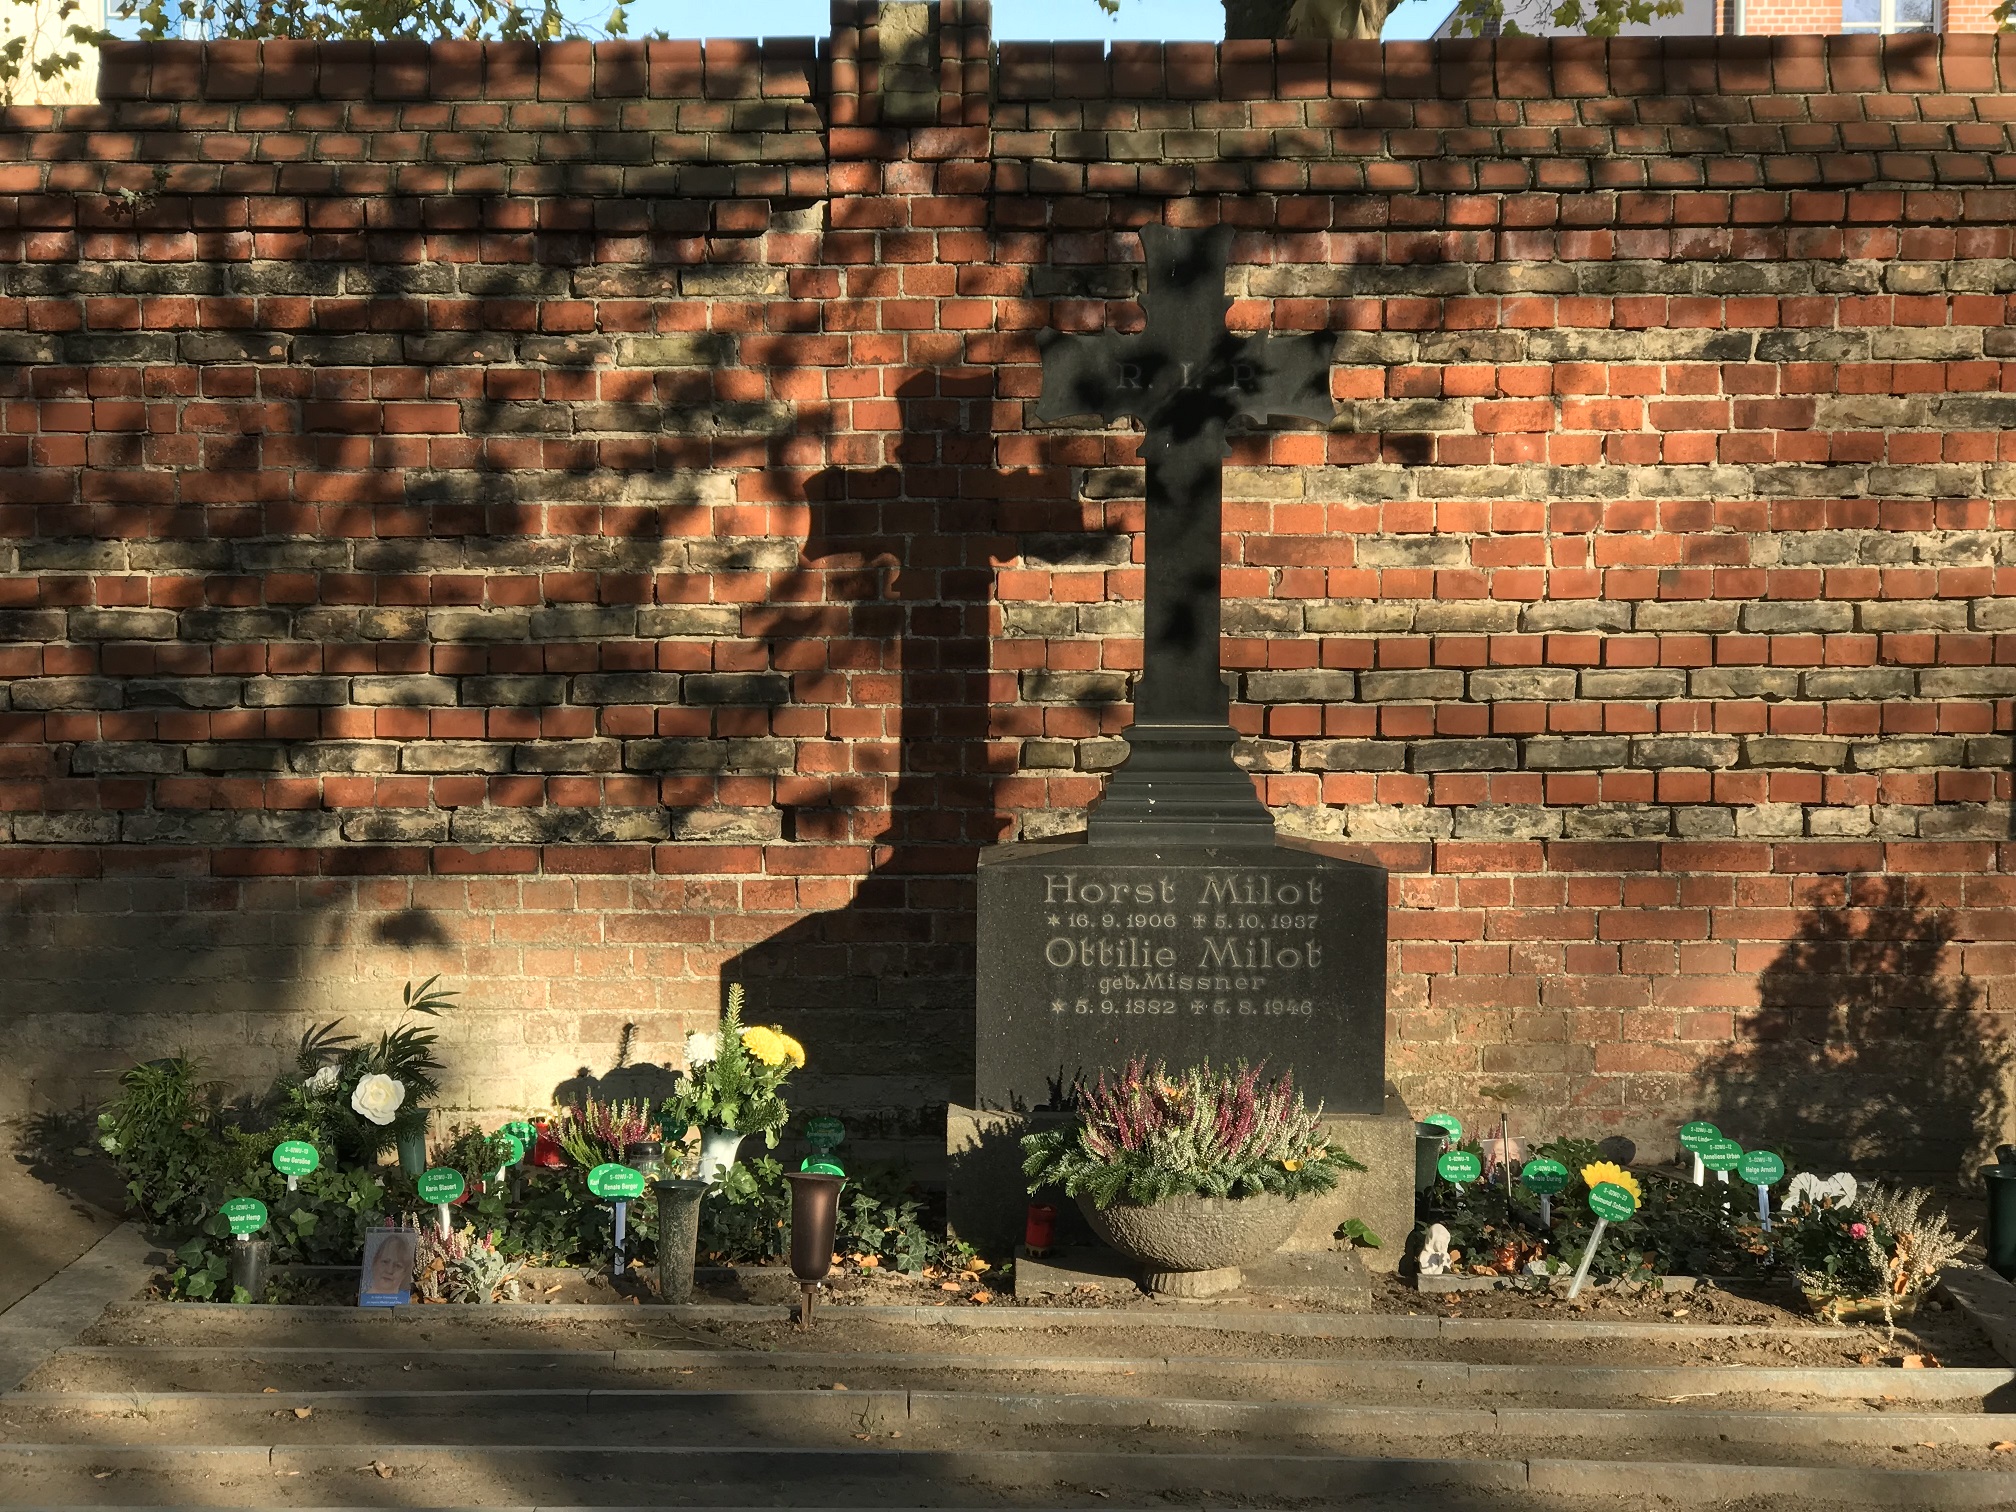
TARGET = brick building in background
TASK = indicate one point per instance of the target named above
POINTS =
(1808, 18)
(1773, 18)
(570, 518)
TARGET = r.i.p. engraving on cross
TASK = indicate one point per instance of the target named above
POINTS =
(1185, 377)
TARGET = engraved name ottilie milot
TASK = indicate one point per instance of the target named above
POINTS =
(1235, 943)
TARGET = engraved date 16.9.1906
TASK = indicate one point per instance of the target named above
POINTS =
(1225, 944)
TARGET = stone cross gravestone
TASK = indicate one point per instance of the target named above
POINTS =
(1180, 927)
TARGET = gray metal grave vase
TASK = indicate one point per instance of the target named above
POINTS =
(678, 1236)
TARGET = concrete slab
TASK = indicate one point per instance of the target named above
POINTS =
(56, 1312)
(1988, 1300)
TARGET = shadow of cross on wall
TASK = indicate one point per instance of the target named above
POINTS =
(889, 614)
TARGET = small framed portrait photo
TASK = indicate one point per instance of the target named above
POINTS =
(390, 1255)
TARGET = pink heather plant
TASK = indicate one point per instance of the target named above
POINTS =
(1146, 1134)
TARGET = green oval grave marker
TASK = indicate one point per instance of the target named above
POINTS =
(517, 1148)
(522, 1131)
(1697, 1136)
(1448, 1123)
(821, 1167)
(1722, 1155)
(1760, 1168)
(824, 1133)
(1459, 1166)
(616, 1183)
(440, 1185)
(246, 1215)
(1544, 1176)
(1611, 1202)
(295, 1157)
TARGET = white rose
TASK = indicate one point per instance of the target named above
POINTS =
(378, 1097)
(702, 1048)
(323, 1080)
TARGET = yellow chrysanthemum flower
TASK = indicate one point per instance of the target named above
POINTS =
(767, 1045)
(1291, 1165)
(1616, 1175)
(793, 1051)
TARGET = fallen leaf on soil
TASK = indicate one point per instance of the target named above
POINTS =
(302, 1412)
(1865, 1359)
(379, 1468)
(2001, 1447)
(982, 1297)
(869, 1262)
(102, 1474)
(1912, 1362)
(1923, 1445)
(552, 1289)
(895, 1433)
(269, 1391)
(838, 1386)
(862, 1436)
(948, 1286)
(1678, 1312)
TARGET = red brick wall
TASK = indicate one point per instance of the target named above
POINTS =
(570, 518)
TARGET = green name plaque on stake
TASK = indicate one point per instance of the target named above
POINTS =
(246, 1215)
(1697, 1136)
(1544, 1176)
(522, 1131)
(295, 1158)
(1760, 1167)
(616, 1183)
(1459, 1166)
(1722, 1155)
(1611, 1203)
(1448, 1123)
(516, 1146)
(440, 1185)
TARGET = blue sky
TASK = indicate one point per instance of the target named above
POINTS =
(1014, 20)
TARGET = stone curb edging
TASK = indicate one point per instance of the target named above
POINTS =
(1971, 1429)
(1268, 1475)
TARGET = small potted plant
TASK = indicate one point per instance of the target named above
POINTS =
(1192, 1173)
(600, 1133)
(1875, 1257)
(733, 1085)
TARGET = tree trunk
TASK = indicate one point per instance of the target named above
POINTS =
(1256, 18)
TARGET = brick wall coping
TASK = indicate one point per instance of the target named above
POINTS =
(800, 67)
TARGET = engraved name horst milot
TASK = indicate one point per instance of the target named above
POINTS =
(1242, 927)
(1180, 927)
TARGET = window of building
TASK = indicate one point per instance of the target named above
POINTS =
(1887, 17)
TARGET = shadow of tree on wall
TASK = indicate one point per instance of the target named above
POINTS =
(1869, 1049)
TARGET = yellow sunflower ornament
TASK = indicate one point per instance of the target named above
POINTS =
(1616, 1175)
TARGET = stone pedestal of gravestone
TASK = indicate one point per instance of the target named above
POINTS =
(1180, 928)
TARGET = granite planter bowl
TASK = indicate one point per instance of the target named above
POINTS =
(1193, 1246)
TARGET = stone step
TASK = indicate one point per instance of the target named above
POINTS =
(566, 1474)
(102, 1369)
(510, 1415)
